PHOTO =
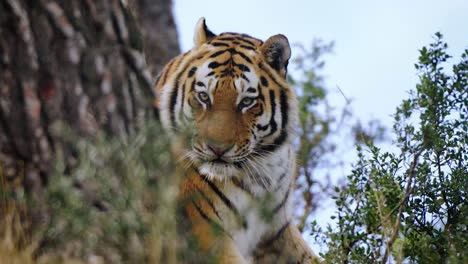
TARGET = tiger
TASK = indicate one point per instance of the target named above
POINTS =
(237, 163)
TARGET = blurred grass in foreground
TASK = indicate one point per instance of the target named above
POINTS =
(116, 205)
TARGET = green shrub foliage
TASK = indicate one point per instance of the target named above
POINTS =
(114, 203)
(409, 204)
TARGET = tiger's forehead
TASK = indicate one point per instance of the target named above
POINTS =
(229, 61)
(243, 80)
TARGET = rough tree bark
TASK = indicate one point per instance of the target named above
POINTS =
(159, 31)
(80, 62)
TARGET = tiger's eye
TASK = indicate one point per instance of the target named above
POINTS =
(204, 97)
(247, 101)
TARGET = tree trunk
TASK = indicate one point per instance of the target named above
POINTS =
(159, 31)
(77, 62)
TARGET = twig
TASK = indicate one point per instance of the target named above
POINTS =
(402, 205)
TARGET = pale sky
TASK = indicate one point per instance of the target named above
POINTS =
(376, 41)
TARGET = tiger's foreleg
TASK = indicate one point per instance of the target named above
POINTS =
(286, 247)
(212, 242)
(215, 244)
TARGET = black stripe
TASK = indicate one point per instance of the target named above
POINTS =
(251, 90)
(244, 56)
(263, 128)
(262, 98)
(182, 99)
(178, 61)
(192, 71)
(173, 102)
(247, 41)
(281, 204)
(221, 195)
(248, 47)
(207, 218)
(241, 67)
(264, 81)
(284, 108)
(216, 54)
(226, 201)
(260, 94)
(192, 87)
(158, 78)
(198, 149)
(216, 64)
(284, 119)
(244, 77)
(210, 203)
(267, 243)
(273, 124)
(165, 73)
(239, 37)
(260, 112)
(278, 183)
(278, 141)
(227, 39)
(219, 44)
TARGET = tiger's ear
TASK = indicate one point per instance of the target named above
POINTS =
(202, 33)
(277, 52)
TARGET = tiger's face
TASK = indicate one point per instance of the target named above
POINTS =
(226, 110)
(231, 90)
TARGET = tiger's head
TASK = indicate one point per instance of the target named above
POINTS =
(231, 90)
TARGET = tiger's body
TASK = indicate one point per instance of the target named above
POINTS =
(238, 163)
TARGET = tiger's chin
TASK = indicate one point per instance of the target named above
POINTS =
(218, 170)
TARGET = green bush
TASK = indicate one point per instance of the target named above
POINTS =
(114, 204)
(410, 205)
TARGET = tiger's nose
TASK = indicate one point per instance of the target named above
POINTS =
(219, 150)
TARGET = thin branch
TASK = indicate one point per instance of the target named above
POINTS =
(402, 205)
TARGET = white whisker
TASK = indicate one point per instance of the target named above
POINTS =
(254, 164)
(249, 172)
(262, 170)
(187, 160)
